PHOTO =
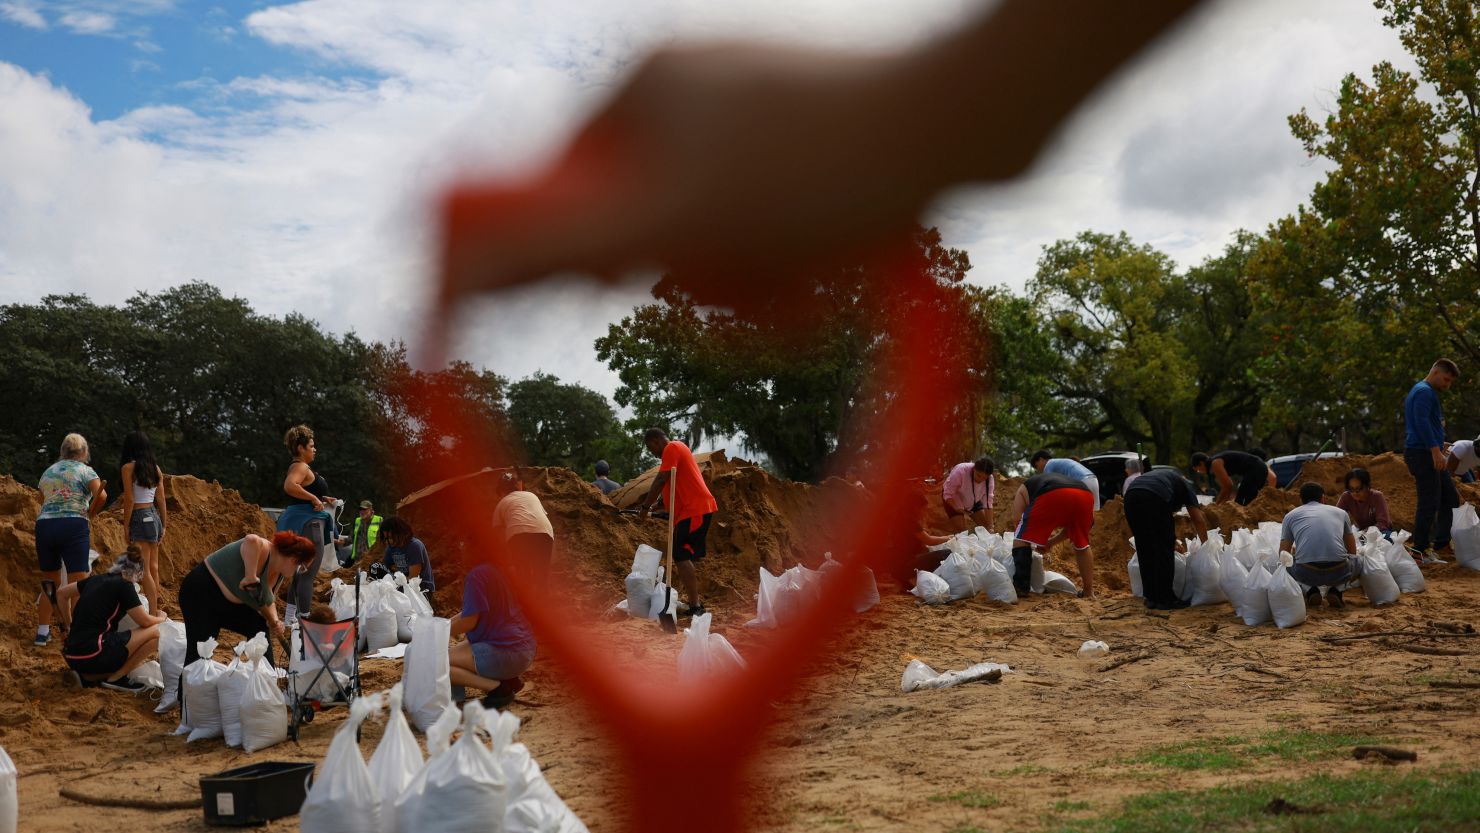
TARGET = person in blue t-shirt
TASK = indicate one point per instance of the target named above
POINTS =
(500, 645)
(405, 553)
(1423, 451)
(1046, 463)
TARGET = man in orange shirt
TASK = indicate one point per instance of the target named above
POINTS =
(693, 508)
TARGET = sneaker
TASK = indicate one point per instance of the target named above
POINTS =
(125, 684)
(1333, 598)
(42, 639)
(1430, 558)
(696, 610)
(1313, 597)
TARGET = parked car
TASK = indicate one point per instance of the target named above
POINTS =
(1287, 468)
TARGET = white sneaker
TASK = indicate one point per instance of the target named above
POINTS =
(1430, 558)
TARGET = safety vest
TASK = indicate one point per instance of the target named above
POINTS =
(370, 535)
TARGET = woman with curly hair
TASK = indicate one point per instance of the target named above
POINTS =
(308, 505)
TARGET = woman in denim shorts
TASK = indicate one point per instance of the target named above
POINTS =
(144, 482)
(71, 496)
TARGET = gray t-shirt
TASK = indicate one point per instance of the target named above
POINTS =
(1318, 531)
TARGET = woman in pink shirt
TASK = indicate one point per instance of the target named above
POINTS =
(968, 493)
(1363, 504)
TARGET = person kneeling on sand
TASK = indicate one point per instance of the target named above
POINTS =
(916, 547)
(95, 651)
(1048, 502)
(1325, 547)
(1366, 506)
(499, 646)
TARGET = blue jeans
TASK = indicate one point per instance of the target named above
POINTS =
(1437, 499)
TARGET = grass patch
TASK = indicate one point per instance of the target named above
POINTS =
(1070, 806)
(969, 798)
(1235, 752)
(1376, 802)
(1025, 769)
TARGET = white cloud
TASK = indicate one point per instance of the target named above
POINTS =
(88, 22)
(310, 193)
(24, 14)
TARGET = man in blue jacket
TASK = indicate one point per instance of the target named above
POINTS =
(1423, 451)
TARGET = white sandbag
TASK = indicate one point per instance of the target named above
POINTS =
(343, 798)
(1286, 599)
(200, 693)
(171, 663)
(1092, 649)
(1231, 577)
(1058, 583)
(996, 581)
(959, 573)
(264, 709)
(1254, 602)
(640, 595)
(304, 667)
(342, 599)
(533, 804)
(918, 675)
(931, 588)
(663, 598)
(229, 689)
(418, 597)
(765, 600)
(465, 789)
(1464, 536)
(9, 802)
(1035, 575)
(426, 672)
(530, 815)
(378, 616)
(865, 588)
(1179, 577)
(398, 601)
(645, 562)
(1377, 582)
(439, 738)
(798, 589)
(1133, 572)
(1203, 587)
(148, 673)
(1403, 568)
(706, 655)
(396, 761)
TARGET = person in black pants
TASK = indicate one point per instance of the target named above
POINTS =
(1151, 504)
(1250, 467)
(235, 588)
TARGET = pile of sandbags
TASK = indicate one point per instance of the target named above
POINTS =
(463, 784)
(389, 607)
(647, 591)
(241, 702)
(980, 563)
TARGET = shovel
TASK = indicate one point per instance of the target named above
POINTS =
(668, 617)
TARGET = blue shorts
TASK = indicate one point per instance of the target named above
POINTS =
(63, 541)
(144, 525)
(495, 663)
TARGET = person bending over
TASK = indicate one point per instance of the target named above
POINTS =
(969, 493)
(499, 646)
(1364, 505)
(1248, 466)
(1151, 506)
(1043, 504)
(95, 651)
(1324, 545)
(521, 526)
(405, 553)
(1463, 458)
(1043, 461)
(235, 588)
(916, 547)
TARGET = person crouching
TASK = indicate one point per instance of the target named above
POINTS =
(1324, 545)
(95, 651)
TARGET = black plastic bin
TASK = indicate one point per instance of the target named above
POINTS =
(255, 794)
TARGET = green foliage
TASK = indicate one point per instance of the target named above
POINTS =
(1235, 753)
(975, 799)
(1382, 801)
(570, 425)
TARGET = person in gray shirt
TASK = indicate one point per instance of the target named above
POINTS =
(602, 482)
(1324, 545)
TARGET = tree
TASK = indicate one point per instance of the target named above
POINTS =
(571, 425)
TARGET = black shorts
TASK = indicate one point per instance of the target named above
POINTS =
(691, 543)
(110, 658)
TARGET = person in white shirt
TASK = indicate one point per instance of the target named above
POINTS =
(1463, 457)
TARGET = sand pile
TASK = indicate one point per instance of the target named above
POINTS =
(1389, 476)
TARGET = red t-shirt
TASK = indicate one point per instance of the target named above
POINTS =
(693, 499)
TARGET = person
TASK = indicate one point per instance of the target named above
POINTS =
(499, 645)
(917, 546)
(522, 527)
(236, 586)
(1423, 453)
(1133, 469)
(969, 493)
(1045, 503)
(365, 532)
(95, 651)
(405, 553)
(144, 480)
(1324, 545)
(1042, 461)
(1463, 459)
(602, 482)
(1249, 466)
(306, 512)
(72, 495)
(1364, 505)
(691, 514)
(1151, 505)
(715, 159)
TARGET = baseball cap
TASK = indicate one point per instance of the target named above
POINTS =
(365, 504)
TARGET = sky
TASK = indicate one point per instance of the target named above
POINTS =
(287, 152)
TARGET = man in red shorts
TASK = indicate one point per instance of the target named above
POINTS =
(1046, 503)
(693, 510)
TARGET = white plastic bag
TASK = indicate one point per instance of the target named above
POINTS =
(342, 599)
(931, 588)
(645, 562)
(1231, 576)
(765, 600)
(640, 595)
(229, 689)
(997, 581)
(706, 655)
(1286, 599)
(465, 789)
(1254, 602)
(9, 803)
(418, 597)
(1058, 583)
(1404, 569)
(1179, 577)
(396, 761)
(1377, 583)
(959, 574)
(264, 709)
(1203, 587)
(377, 617)
(439, 737)
(343, 797)
(533, 804)
(1036, 577)
(865, 590)
(1464, 535)
(171, 663)
(1093, 649)
(426, 672)
(148, 673)
(1133, 572)
(918, 675)
(201, 698)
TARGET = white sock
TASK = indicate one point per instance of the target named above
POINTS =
(43, 630)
